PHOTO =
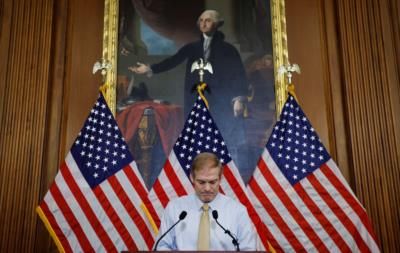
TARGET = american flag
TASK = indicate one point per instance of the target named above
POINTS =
(302, 196)
(94, 203)
(199, 134)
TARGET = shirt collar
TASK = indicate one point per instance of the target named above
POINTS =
(213, 204)
(206, 37)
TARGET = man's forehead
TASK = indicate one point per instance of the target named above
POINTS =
(209, 15)
(207, 170)
(207, 178)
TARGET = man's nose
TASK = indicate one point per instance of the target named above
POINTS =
(207, 187)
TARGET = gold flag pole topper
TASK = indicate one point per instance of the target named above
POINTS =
(201, 66)
(288, 71)
(103, 65)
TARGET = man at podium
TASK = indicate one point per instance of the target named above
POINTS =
(207, 219)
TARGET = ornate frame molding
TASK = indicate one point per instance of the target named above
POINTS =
(110, 42)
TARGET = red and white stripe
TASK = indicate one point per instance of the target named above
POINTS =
(107, 218)
(320, 213)
(171, 183)
(232, 185)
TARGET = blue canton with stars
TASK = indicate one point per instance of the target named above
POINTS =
(200, 134)
(294, 144)
(100, 151)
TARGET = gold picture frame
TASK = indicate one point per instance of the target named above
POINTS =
(279, 42)
(273, 93)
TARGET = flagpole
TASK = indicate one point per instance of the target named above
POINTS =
(104, 65)
(201, 65)
(288, 71)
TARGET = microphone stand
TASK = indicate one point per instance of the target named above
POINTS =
(234, 240)
(181, 217)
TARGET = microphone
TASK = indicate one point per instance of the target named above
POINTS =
(234, 240)
(182, 216)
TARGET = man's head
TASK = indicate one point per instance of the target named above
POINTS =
(206, 174)
(209, 21)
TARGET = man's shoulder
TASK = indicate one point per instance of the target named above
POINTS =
(192, 44)
(229, 202)
(183, 200)
(226, 47)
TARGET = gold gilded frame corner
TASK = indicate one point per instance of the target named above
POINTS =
(279, 41)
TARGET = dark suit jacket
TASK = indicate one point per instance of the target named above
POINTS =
(227, 82)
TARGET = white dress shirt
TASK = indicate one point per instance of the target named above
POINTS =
(231, 214)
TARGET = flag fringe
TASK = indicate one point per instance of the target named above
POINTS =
(50, 229)
(149, 217)
(270, 248)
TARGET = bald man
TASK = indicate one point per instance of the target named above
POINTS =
(206, 172)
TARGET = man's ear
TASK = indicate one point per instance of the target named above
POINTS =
(191, 178)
